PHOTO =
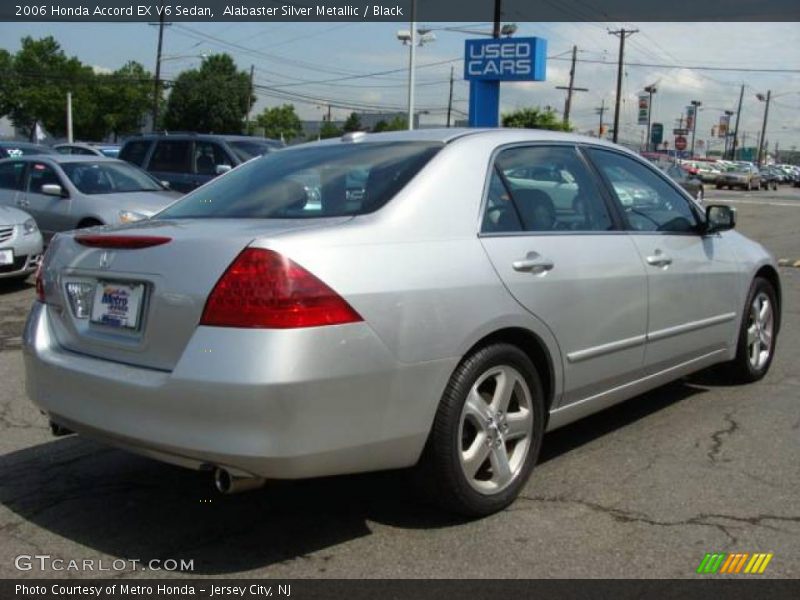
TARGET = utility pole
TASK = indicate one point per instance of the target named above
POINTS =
(736, 129)
(250, 98)
(412, 57)
(498, 13)
(571, 88)
(728, 114)
(763, 126)
(157, 83)
(600, 111)
(69, 117)
(697, 104)
(450, 99)
(622, 34)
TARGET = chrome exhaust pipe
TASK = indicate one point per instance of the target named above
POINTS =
(230, 483)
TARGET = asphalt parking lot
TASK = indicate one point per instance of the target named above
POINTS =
(642, 490)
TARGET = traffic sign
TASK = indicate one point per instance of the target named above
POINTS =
(680, 132)
(680, 143)
(657, 133)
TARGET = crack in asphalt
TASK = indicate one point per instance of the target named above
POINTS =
(700, 520)
(717, 436)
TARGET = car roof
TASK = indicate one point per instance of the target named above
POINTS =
(496, 136)
(65, 158)
(200, 136)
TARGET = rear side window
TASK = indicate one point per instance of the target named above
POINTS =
(11, 175)
(135, 152)
(172, 156)
(544, 188)
(315, 181)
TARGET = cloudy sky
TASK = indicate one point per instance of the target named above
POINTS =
(363, 65)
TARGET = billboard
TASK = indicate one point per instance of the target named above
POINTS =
(724, 124)
(644, 109)
(511, 59)
(690, 117)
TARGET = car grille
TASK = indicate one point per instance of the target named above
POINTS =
(6, 233)
(19, 264)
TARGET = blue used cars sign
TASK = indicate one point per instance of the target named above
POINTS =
(509, 59)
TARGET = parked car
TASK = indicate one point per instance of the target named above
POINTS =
(444, 319)
(706, 172)
(745, 176)
(20, 244)
(91, 149)
(691, 183)
(14, 149)
(186, 161)
(64, 192)
(769, 178)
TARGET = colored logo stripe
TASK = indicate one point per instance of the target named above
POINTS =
(733, 563)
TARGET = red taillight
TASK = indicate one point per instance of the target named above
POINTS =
(262, 289)
(121, 242)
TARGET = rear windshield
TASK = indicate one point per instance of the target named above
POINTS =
(316, 181)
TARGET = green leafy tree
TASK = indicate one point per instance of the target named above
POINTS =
(329, 130)
(41, 76)
(280, 122)
(8, 83)
(123, 98)
(211, 99)
(535, 118)
(353, 123)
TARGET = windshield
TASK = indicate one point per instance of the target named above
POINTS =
(109, 178)
(315, 181)
(247, 149)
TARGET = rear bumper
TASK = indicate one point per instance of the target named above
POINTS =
(278, 404)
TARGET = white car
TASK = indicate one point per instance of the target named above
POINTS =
(20, 243)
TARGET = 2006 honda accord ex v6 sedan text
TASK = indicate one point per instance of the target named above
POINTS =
(437, 299)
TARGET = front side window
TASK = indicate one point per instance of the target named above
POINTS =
(109, 178)
(41, 174)
(308, 182)
(247, 149)
(11, 175)
(649, 202)
(544, 188)
(207, 155)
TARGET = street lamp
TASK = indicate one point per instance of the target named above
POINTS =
(696, 104)
(650, 89)
(409, 38)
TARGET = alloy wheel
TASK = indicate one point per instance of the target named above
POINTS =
(760, 330)
(495, 429)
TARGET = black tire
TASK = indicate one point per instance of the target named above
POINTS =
(718, 186)
(740, 369)
(439, 473)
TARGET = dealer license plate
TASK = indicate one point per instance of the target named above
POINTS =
(117, 304)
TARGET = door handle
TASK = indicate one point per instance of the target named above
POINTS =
(533, 263)
(659, 259)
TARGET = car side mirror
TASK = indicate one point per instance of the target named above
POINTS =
(221, 169)
(720, 217)
(53, 189)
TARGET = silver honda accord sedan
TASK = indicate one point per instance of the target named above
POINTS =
(481, 288)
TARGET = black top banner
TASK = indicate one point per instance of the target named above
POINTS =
(400, 10)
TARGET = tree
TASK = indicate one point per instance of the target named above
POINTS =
(41, 76)
(329, 130)
(280, 122)
(8, 83)
(396, 124)
(123, 98)
(535, 118)
(212, 99)
(353, 123)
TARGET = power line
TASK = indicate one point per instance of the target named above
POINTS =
(690, 67)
